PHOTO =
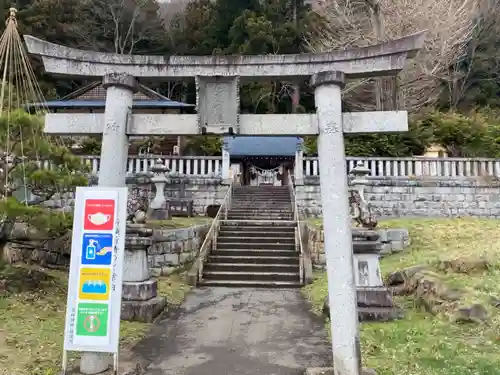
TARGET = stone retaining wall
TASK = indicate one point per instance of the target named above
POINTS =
(172, 249)
(429, 197)
(175, 248)
(203, 192)
(393, 240)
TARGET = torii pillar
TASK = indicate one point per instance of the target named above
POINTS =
(337, 222)
(217, 80)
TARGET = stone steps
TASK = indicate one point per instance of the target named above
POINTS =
(251, 241)
(249, 259)
(261, 210)
(256, 233)
(250, 267)
(251, 284)
(260, 201)
(255, 252)
(256, 244)
(250, 226)
(272, 206)
(257, 217)
(251, 275)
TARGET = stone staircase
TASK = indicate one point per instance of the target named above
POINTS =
(256, 244)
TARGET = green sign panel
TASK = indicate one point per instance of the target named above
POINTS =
(92, 319)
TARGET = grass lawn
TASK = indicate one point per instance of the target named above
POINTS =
(32, 312)
(426, 344)
(178, 222)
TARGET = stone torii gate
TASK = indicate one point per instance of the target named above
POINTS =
(217, 83)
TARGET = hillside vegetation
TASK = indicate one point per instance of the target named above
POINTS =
(434, 338)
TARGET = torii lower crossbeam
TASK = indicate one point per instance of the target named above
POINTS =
(251, 125)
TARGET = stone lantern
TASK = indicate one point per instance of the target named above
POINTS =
(159, 208)
(360, 210)
(374, 299)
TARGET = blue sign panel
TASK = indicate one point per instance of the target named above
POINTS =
(97, 248)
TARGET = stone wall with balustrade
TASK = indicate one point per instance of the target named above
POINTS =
(203, 191)
(201, 166)
(413, 186)
(415, 166)
(417, 196)
(210, 166)
(417, 186)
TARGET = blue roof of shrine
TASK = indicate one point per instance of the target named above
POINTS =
(97, 104)
(93, 96)
(262, 146)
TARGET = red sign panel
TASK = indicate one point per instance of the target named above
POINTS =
(99, 214)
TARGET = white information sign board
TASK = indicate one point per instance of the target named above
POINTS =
(95, 279)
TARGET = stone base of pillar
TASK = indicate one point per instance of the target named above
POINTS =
(94, 363)
(374, 304)
(143, 311)
(159, 214)
(226, 181)
(140, 301)
(331, 371)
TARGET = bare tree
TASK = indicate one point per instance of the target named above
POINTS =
(482, 66)
(170, 9)
(356, 23)
(126, 22)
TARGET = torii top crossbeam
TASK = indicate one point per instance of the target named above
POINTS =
(383, 59)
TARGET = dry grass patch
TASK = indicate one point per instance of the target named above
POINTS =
(32, 308)
(461, 255)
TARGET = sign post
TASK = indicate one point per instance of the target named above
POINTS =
(95, 279)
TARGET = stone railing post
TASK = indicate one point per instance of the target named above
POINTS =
(299, 165)
(226, 163)
(159, 208)
(140, 301)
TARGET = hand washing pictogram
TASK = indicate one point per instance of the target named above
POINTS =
(97, 248)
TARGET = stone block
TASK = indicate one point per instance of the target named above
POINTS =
(397, 246)
(185, 257)
(143, 311)
(136, 267)
(154, 270)
(166, 271)
(397, 234)
(157, 260)
(331, 371)
(139, 291)
(159, 214)
(172, 259)
(382, 233)
(162, 235)
(386, 249)
(379, 314)
(371, 313)
(374, 297)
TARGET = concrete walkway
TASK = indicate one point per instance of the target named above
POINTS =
(228, 331)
